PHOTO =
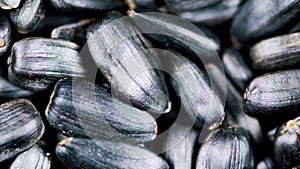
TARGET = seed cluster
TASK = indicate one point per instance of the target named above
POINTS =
(149, 84)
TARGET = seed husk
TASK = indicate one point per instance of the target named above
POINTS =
(129, 68)
(281, 52)
(75, 32)
(188, 5)
(246, 28)
(27, 18)
(286, 144)
(101, 154)
(213, 15)
(86, 6)
(9, 4)
(81, 109)
(181, 146)
(198, 98)
(226, 148)
(274, 96)
(37, 63)
(36, 157)
(236, 68)
(5, 35)
(20, 127)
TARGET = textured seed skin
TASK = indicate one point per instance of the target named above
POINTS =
(226, 148)
(73, 6)
(286, 145)
(246, 27)
(35, 157)
(21, 127)
(274, 96)
(236, 68)
(75, 32)
(188, 5)
(9, 91)
(281, 52)
(28, 16)
(213, 15)
(175, 35)
(79, 108)
(127, 65)
(198, 99)
(5, 35)
(235, 115)
(181, 146)
(101, 154)
(9, 4)
(37, 63)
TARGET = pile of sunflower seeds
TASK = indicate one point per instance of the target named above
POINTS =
(149, 84)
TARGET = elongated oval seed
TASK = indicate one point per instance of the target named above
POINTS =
(226, 148)
(181, 146)
(28, 16)
(188, 5)
(37, 63)
(286, 144)
(213, 15)
(5, 35)
(246, 27)
(73, 6)
(20, 127)
(81, 109)
(280, 52)
(36, 157)
(274, 96)
(236, 68)
(101, 154)
(198, 98)
(75, 32)
(119, 54)
(9, 4)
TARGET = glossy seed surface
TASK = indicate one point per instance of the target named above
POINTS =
(37, 63)
(20, 127)
(102, 154)
(276, 53)
(82, 109)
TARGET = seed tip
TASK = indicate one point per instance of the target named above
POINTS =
(62, 142)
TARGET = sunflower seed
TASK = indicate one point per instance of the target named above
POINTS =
(20, 127)
(5, 35)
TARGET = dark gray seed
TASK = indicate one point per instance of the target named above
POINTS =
(175, 33)
(120, 55)
(82, 109)
(84, 6)
(148, 3)
(28, 16)
(213, 15)
(282, 52)
(274, 95)
(287, 145)
(236, 68)
(75, 32)
(226, 148)
(9, 4)
(9, 91)
(198, 98)
(20, 127)
(5, 35)
(37, 63)
(101, 154)
(181, 146)
(235, 115)
(272, 14)
(188, 5)
(266, 163)
(36, 157)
